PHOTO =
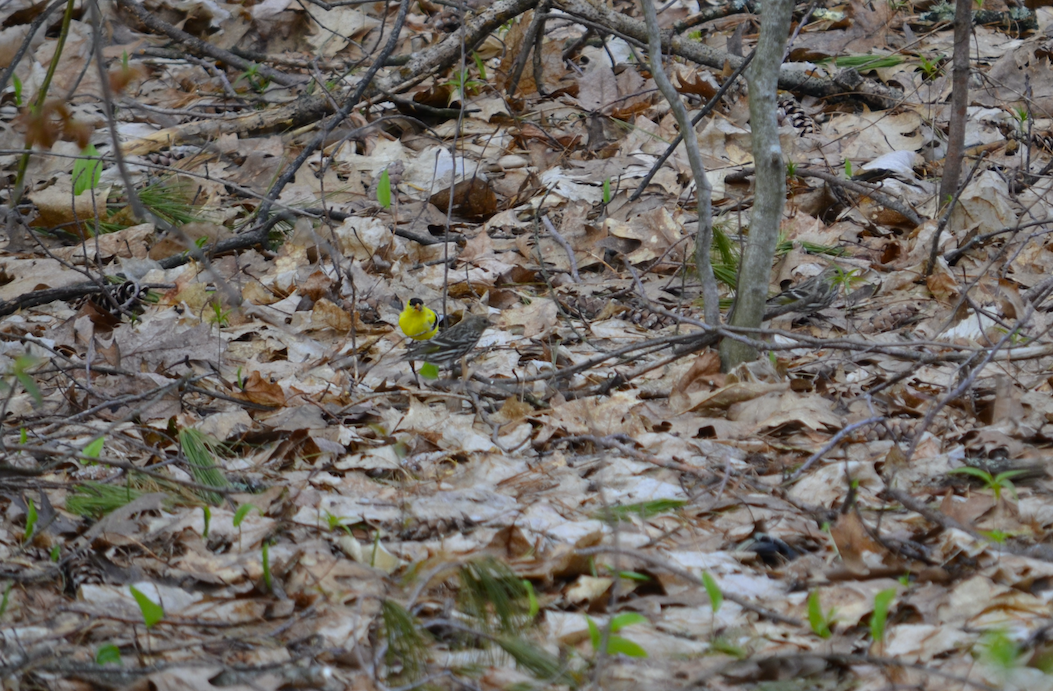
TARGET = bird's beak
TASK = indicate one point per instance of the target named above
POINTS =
(418, 307)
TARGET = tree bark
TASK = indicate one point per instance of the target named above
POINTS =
(770, 177)
(952, 164)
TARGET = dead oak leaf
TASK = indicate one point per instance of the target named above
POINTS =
(655, 230)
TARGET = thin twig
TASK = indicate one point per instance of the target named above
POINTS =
(565, 245)
(834, 441)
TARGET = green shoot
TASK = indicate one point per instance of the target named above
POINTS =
(997, 649)
(479, 65)
(266, 557)
(535, 607)
(86, 170)
(18, 89)
(94, 448)
(20, 368)
(152, 612)
(848, 168)
(722, 644)
(716, 597)
(995, 483)
(255, 81)
(208, 521)
(107, 654)
(384, 189)
(634, 576)
(930, 69)
(55, 554)
(818, 619)
(220, 317)
(242, 512)
(616, 644)
(31, 521)
(607, 191)
(429, 371)
(880, 616)
(463, 86)
(6, 598)
(996, 536)
(644, 510)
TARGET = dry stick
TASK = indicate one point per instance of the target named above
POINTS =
(954, 256)
(946, 522)
(708, 14)
(834, 441)
(966, 383)
(339, 116)
(311, 108)
(528, 42)
(946, 217)
(128, 467)
(703, 188)
(706, 110)
(20, 53)
(539, 39)
(712, 103)
(195, 44)
(847, 81)
(859, 188)
(565, 245)
(402, 233)
(111, 122)
(952, 165)
(623, 443)
(743, 333)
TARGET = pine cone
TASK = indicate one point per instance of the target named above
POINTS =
(789, 110)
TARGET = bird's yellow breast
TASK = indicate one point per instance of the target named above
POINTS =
(418, 324)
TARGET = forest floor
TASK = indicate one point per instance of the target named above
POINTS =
(225, 474)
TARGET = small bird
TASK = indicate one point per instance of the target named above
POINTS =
(808, 297)
(451, 345)
(417, 321)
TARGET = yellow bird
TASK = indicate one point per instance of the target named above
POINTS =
(417, 321)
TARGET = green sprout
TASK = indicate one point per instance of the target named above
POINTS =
(616, 644)
(879, 618)
(716, 596)
(384, 189)
(819, 620)
(995, 483)
(31, 521)
(151, 611)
